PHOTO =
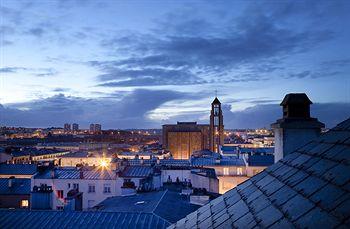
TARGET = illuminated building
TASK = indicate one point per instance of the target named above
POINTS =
(183, 138)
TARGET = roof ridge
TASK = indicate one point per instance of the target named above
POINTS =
(160, 200)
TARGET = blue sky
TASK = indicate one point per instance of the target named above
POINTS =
(140, 64)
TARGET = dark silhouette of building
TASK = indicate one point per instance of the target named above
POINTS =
(216, 136)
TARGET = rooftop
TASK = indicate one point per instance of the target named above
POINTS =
(19, 186)
(74, 173)
(261, 160)
(34, 152)
(308, 188)
(168, 205)
(296, 98)
(137, 171)
(82, 219)
(18, 169)
(226, 161)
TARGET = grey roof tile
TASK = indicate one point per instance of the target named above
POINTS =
(317, 219)
(297, 177)
(283, 223)
(340, 174)
(283, 195)
(297, 206)
(265, 181)
(310, 185)
(329, 196)
(244, 221)
(321, 167)
(238, 210)
(268, 216)
(260, 203)
(343, 210)
(272, 187)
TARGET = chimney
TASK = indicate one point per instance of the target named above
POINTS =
(53, 174)
(11, 181)
(297, 127)
(81, 174)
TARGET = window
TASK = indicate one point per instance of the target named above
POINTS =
(91, 188)
(59, 207)
(68, 185)
(59, 194)
(226, 172)
(106, 188)
(239, 171)
(216, 121)
(24, 203)
(91, 203)
(76, 186)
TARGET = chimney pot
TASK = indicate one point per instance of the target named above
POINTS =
(296, 128)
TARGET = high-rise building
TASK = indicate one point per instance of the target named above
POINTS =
(98, 127)
(75, 127)
(95, 127)
(67, 127)
(216, 132)
(183, 138)
(92, 127)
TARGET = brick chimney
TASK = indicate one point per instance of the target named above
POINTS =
(297, 127)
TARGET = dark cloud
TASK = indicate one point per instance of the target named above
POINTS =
(197, 49)
(127, 111)
(263, 115)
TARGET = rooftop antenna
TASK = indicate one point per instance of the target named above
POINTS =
(216, 93)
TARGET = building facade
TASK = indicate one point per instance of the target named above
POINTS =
(183, 138)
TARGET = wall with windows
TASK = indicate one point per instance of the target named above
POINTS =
(94, 191)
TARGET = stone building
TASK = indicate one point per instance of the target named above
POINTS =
(183, 138)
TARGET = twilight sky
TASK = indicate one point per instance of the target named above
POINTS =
(140, 64)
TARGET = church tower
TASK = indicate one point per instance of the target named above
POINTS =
(216, 126)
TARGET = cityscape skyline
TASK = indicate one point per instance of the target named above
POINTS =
(153, 63)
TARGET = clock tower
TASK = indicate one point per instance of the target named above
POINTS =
(216, 126)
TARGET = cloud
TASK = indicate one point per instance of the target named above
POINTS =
(11, 69)
(197, 50)
(40, 72)
(262, 115)
(127, 111)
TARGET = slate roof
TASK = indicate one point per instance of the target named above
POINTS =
(74, 219)
(77, 154)
(18, 169)
(261, 150)
(73, 173)
(168, 205)
(35, 152)
(166, 162)
(229, 161)
(19, 186)
(308, 188)
(137, 171)
(296, 98)
(260, 160)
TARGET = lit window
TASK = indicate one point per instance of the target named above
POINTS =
(239, 171)
(91, 188)
(226, 171)
(106, 188)
(24, 203)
